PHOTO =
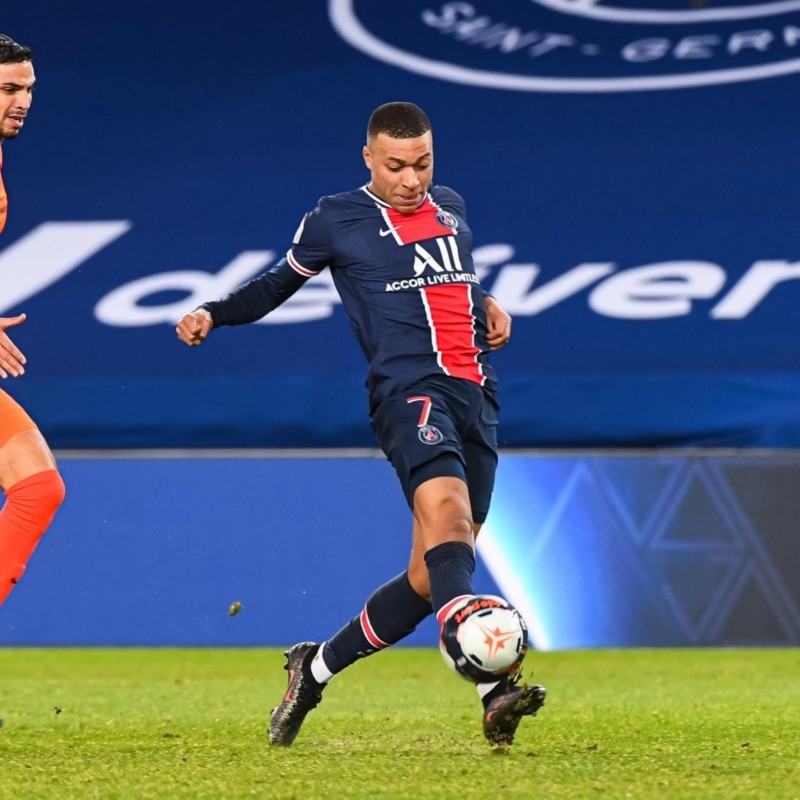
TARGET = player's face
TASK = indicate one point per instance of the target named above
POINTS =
(401, 169)
(16, 93)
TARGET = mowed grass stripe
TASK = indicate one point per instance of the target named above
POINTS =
(191, 723)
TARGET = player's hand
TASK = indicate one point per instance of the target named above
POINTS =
(11, 359)
(195, 327)
(498, 323)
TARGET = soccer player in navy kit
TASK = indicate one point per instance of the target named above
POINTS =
(400, 254)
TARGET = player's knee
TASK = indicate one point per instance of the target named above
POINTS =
(419, 580)
(461, 524)
(447, 519)
(453, 507)
(52, 492)
(32, 502)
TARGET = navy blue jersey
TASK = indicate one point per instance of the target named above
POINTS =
(406, 281)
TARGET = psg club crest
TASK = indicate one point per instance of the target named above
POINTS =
(428, 434)
(446, 218)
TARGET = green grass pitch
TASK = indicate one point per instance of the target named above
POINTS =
(191, 723)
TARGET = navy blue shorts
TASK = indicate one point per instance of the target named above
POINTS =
(441, 427)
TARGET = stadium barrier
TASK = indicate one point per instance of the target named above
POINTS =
(639, 549)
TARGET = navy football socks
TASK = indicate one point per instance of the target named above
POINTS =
(395, 609)
(392, 613)
(450, 567)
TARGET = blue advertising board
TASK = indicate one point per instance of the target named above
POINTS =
(629, 169)
(595, 551)
(155, 551)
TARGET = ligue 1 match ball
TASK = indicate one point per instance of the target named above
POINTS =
(483, 638)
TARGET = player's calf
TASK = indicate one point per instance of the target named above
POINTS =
(29, 508)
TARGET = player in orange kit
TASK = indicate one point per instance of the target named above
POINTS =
(28, 475)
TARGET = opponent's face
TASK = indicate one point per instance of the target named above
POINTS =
(401, 169)
(16, 93)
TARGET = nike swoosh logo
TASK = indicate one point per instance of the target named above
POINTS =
(382, 232)
(288, 695)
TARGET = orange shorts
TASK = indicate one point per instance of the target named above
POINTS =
(13, 419)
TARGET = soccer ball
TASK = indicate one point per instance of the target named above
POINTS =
(483, 638)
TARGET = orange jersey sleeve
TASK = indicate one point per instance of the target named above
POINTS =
(13, 418)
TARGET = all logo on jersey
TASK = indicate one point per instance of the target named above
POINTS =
(434, 266)
(448, 258)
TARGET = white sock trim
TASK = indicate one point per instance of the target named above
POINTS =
(484, 688)
(319, 669)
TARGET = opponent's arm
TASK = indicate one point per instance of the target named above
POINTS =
(11, 359)
(247, 304)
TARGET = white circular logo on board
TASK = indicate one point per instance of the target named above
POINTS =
(666, 13)
(578, 45)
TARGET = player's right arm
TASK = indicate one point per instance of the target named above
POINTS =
(194, 327)
(249, 302)
(309, 255)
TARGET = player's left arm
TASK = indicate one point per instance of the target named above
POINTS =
(498, 323)
(11, 359)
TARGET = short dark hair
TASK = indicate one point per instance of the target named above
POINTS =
(398, 120)
(11, 52)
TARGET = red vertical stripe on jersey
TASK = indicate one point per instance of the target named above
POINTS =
(449, 309)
